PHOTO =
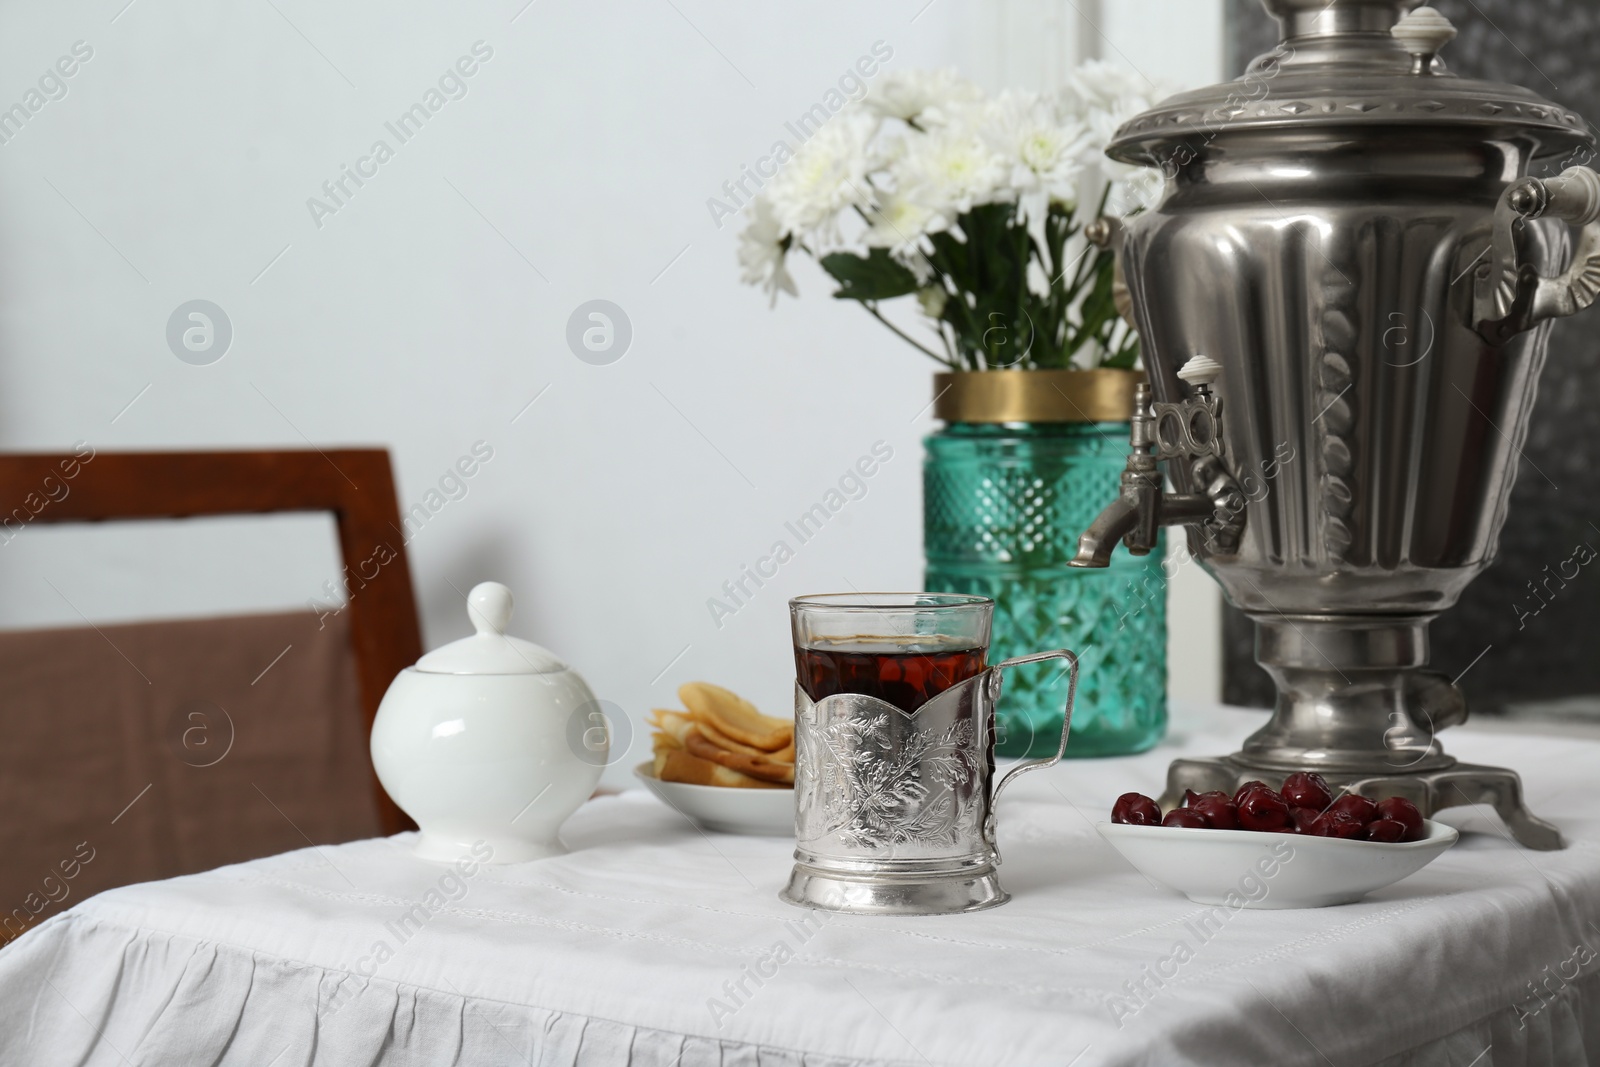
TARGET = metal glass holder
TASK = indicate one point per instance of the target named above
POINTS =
(894, 812)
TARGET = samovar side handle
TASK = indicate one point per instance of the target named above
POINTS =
(1025, 766)
(1511, 296)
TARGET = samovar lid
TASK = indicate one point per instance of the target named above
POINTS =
(1345, 67)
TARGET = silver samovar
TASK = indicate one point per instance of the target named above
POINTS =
(1343, 296)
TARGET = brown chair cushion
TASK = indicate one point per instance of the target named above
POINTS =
(241, 759)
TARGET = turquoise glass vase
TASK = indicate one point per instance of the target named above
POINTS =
(1003, 505)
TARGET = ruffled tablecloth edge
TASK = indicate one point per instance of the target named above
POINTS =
(551, 1037)
(1559, 1028)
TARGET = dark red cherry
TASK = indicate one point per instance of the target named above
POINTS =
(1187, 818)
(1189, 797)
(1238, 794)
(1361, 808)
(1386, 830)
(1222, 813)
(1136, 809)
(1303, 818)
(1307, 789)
(1405, 813)
(1262, 809)
(1336, 824)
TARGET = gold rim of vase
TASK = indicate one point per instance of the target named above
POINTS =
(1035, 395)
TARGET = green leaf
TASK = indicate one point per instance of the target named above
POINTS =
(1123, 360)
(875, 276)
(992, 319)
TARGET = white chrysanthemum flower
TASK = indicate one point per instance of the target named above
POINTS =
(1102, 130)
(907, 94)
(950, 170)
(900, 225)
(1104, 96)
(1043, 148)
(1140, 188)
(1101, 86)
(827, 175)
(762, 252)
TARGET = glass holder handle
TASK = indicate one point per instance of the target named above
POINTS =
(1023, 767)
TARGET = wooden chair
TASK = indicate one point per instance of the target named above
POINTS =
(355, 485)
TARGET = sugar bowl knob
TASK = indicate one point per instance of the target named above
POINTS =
(1422, 33)
(489, 607)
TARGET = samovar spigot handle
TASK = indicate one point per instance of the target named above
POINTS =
(1200, 372)
(1511, 296)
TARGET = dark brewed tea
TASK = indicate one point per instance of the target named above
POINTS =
(906, 679)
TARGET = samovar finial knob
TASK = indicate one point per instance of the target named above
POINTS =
(1422, 33)
(1200, 371)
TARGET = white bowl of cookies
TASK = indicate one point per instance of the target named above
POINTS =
(722, 764)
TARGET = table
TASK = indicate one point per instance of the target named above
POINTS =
(656, 945)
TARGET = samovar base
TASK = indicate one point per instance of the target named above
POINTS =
(1357, 705)
(1431, 791)
(878, 894)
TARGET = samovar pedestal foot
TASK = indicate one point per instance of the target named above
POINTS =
(1431, 790)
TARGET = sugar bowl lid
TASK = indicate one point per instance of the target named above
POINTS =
(490, 650)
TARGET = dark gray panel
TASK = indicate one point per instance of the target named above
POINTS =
(1515, 646)
(1251, 31)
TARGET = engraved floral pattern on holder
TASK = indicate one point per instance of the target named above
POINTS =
(874, 786)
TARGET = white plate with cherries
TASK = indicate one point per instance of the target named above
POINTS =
(1299, 846)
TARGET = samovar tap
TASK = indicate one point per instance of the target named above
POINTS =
(1190, 430)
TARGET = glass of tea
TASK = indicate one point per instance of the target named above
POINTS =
(894, 752)
(903, 648)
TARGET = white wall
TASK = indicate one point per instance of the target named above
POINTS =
(433, 306)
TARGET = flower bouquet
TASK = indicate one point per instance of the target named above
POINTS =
(975, 204)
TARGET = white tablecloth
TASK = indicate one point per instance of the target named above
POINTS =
(654, 944)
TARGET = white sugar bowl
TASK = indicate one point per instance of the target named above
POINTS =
(489, 739)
